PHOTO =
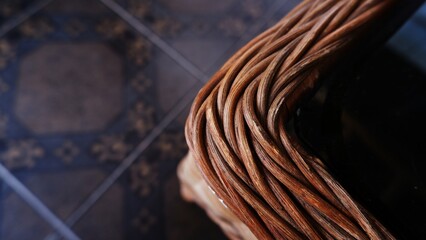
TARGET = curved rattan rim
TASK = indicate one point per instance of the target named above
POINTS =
(237, 130)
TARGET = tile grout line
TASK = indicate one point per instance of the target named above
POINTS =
(158, 41)
(20, 189)
(36, 204)
(132, 157)
(9, 25)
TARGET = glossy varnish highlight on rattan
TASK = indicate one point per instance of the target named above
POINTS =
(239, 132)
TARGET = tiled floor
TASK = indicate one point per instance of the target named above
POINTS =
(93, 97)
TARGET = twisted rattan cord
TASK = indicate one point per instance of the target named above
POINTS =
(237, 128)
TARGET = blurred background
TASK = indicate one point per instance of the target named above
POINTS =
(94, 95)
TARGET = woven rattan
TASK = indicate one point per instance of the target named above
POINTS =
(239, 131)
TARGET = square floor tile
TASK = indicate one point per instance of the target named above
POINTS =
(145, 203)
(79, 89)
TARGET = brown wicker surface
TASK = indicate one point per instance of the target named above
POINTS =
(239, 128)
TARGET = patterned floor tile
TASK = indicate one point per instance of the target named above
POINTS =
(146, 199)
(270, 17)
(200, 30)
(79, 89)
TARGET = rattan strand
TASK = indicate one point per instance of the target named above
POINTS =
(238, 133)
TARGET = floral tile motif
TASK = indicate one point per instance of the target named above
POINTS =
(198, 28)
(140, 111)
(137, 48)
(110, 148)
(231, 25)
(75, 27)
(147, 188)
(144, 178)
(21, 154)
(141, 83)
(64, 164)
(36, 28)
(141, 117)
(39, 75)
(171, 144)
(144, 220)
(67, 151)
(111, 27)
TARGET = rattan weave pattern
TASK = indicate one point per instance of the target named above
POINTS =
(238, 128)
